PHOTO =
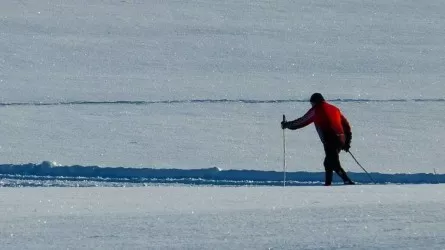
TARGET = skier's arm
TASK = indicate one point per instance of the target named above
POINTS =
(346, 129)
(303, 121)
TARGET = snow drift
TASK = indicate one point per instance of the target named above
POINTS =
(52, 175)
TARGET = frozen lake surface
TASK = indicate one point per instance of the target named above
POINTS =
(133, 93)
(204, 84)
(180, 217)
(388, 136)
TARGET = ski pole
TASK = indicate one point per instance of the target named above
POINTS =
(284, 155)
(370, 177)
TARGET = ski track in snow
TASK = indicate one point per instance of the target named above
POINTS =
(210, 101)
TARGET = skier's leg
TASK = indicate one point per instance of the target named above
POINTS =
(341, 172)
(336, 165)
(328, 173)
(333, 161)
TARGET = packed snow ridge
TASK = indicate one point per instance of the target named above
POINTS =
(54, 173)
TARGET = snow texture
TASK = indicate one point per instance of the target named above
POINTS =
(186, 98)
(341, 217)
(201, 84)
(51, 174)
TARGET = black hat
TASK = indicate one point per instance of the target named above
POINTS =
(317, 98)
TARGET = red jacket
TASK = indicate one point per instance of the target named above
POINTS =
(332, 127)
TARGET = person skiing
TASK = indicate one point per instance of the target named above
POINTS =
(334, 131)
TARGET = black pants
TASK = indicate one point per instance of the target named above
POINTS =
(332, 163)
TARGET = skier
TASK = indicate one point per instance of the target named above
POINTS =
(334, 131)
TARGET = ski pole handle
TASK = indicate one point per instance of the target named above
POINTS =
(284, 120)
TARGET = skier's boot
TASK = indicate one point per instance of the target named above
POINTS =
(328, 177)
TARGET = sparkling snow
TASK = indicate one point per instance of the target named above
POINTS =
(121, 83)
(345, 217)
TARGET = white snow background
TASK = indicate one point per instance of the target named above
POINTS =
(339, 217)
(111, 51)
(203, 84)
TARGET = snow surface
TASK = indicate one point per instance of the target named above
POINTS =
(202, 85)
(158, 50)
(388, 137)
(49, 174)
(384, 59)
(342, 217)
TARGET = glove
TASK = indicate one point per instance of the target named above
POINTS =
(284, 124)
(346, 147)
